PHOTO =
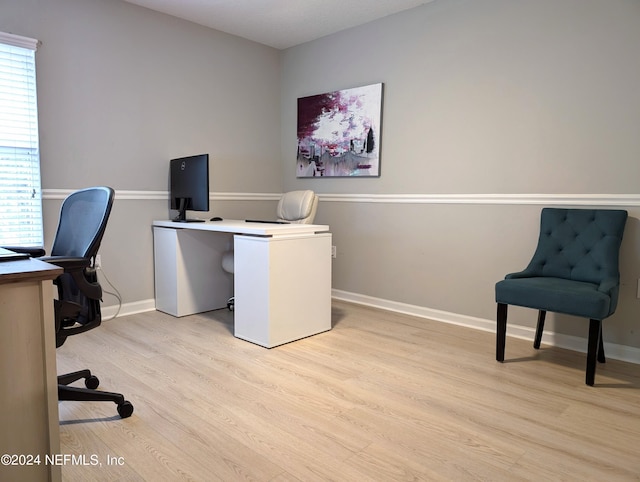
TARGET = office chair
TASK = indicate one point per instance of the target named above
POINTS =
(574, 271)
(83, 219)
(297, 207)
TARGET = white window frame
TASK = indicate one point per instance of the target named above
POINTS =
(20, 187)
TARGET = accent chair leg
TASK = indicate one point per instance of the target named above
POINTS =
(539, 329)
(595, 327)
(501, 331)
(601, 357)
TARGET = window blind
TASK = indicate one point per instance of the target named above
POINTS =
(20, 190)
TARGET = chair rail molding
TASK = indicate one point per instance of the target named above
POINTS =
(495, 199)
(129, 195)
(513, 199)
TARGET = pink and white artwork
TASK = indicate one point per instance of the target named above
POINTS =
(339, 133)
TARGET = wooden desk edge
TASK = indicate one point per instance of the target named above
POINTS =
(28, 270)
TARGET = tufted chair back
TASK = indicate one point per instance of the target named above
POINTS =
(579, 244)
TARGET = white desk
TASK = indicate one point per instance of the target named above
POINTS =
(282, 280)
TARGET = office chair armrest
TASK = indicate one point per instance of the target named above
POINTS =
(76, 268)
(31, 251)
(68, 263)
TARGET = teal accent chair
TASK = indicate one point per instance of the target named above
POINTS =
(574, 270)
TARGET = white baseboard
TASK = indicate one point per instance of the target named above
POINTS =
(112, 311)
(612, 350)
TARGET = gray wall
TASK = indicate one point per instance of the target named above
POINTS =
(519, 98)
(482, 97)
(122, 90)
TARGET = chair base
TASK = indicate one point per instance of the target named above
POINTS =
(595, 345)
(90, 394)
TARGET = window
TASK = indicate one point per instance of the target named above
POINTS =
(20, 191)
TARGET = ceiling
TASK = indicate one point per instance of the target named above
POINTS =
(280, 23)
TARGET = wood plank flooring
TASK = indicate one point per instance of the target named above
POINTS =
(381, 397)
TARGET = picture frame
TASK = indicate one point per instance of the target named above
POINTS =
(339, 133)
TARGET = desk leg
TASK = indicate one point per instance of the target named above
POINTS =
(188, 270)
(282, 287)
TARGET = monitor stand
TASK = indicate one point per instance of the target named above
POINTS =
(182, 213)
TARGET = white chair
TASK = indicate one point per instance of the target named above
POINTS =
(297, 207)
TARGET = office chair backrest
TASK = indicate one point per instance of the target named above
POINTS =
(298, 207)
(83, 220)
(579, 244)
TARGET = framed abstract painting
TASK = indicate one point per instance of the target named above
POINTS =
(339, 133)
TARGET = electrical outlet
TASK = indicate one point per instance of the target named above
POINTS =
(98, 261)
(334, 254)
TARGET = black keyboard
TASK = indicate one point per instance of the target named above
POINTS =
(265, 222)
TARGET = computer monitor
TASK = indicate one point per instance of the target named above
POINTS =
(189, 185)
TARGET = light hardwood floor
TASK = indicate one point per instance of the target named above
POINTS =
(382, 397)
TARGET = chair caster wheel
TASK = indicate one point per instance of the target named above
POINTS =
(125, 409)
(92, 382)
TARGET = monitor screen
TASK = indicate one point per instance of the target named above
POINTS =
(189, 185)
